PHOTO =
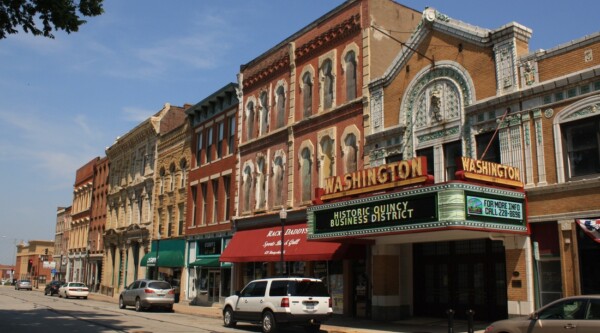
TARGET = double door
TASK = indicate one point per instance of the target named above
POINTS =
(461, 276)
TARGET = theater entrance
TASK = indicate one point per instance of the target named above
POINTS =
(460, 275)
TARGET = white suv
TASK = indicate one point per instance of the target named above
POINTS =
(275, 302)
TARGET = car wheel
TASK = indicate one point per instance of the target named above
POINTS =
(45, 293)
(121, 303)
(228, 317)
(138, 305)
(170, 308)
(84, 297)
(269, 325)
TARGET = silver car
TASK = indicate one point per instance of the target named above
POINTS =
(579, 314)
(144, 294)
(23, 284)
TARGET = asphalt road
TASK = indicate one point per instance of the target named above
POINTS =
(30, 311)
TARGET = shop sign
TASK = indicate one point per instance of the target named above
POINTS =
(210, 247)
(391, 175)
(151, 262)
(377, 214)
(489, 209)
(490, 172)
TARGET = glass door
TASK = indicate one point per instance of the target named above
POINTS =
(214, 284)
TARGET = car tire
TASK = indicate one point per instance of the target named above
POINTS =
(121, 303)
(138, 305)
(269, 325)
(228, 317)
(45, 293)
(169, 308)
(84, 297)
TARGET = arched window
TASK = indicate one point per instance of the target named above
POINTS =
(350, 75)
(350, 156)
(278, 181)
(307, 94)
(280, 107)
(260, 183)
(247, 187)
(326, 159)
(264, 113)
(328, 83)
(250, 121)
(306, 174)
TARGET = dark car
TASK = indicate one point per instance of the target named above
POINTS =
(52, 288)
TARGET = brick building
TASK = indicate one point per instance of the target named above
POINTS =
(61, 237)
(78, 243)
(301, 119)
(97, 223)
(170, 191)
(211, 194)
(34, 262)
(503, 133)
(130, 200)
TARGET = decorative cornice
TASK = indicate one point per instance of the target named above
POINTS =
(276, 67)
(340, 31)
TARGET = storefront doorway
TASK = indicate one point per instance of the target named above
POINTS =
(460, 275)
(214, 284)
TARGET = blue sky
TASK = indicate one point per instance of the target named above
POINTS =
(64, 100)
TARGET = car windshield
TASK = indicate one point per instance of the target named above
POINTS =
(307, 288)
(159, 285)
(76, 284)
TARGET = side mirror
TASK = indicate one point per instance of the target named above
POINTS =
(534, 316)
(237, 293)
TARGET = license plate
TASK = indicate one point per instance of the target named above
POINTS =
(310, 307)
(161, 295)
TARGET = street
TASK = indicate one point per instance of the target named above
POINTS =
(31, 311)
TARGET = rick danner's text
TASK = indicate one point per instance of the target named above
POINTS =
(379, 213)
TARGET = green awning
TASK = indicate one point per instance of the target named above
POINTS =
(206, 262)
(170, 254)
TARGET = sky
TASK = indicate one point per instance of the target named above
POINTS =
(64, 100)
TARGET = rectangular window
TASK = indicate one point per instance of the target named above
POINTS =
(488, 144)
(452, 152)
(199, 147)
(226, 183)
(231, 139)
(547, 99)
(169, 221)
(209, 143)
(582, 141)
(584, 89)
(221, 136)
(572, 92)
(428, 153)
(194, 204)
(559, 96)
(215, 210)
(204, 189)
(159, 220)
(181, 217)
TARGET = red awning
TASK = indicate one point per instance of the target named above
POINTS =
(265, 245)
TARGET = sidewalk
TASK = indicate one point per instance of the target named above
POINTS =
(340, 324)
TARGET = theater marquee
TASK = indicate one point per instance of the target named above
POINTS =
(448, 206)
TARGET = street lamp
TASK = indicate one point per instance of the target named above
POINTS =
(282, 217)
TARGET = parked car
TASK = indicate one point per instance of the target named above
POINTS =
(273, 302)
(23, 284)
(74, 289)
(52, 288)
(145, 294)
(579, 314)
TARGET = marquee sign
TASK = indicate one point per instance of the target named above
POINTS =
(395, 211)
(491, 209)
(391, 175)
(490, 172)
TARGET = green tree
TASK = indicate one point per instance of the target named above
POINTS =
(42, 17)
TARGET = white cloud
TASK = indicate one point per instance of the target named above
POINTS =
(136, 114)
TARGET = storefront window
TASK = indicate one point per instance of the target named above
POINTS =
(255, 270)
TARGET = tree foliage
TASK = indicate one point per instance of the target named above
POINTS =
(42, 17)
